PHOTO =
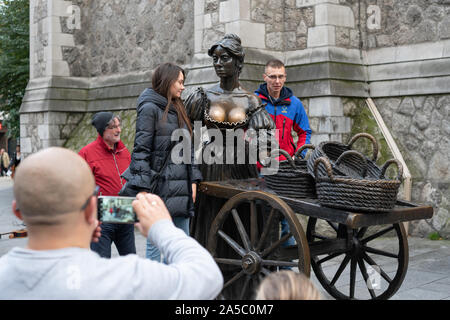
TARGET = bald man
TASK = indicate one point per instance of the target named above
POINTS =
(54, 193)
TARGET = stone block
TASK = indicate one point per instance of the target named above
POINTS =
(336, 137)
(314, 124)
(274, 40)
(24, 118)
(244, 9)
(418, 86)
(198, 22)
(25, 145)
(316, 139)
(321, 36)
(413, 69)
(59, 8)
(335, 125)
(407, 107)
(199, 7)
(308, 3)
(53, 53)
(61, 39)
(330, 14)
(207, 22)
(325, 107)
(252, 34)
(228, 11)
(57, 68)
(55, 118)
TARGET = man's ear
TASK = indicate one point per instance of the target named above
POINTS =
(90, 213)
(16, 210)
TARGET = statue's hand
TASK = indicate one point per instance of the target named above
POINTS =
(260, 119)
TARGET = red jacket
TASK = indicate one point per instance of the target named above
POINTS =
(107, 165)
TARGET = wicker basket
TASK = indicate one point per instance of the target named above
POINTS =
(356, 194)
(292, 178)
(350, 166)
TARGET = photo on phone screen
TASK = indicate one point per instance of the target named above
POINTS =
(116, 209)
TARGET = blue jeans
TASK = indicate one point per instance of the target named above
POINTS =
(121, 234)
(153, 253)
(289, 242)
(285, 230)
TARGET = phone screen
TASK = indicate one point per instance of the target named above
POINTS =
(116, 209)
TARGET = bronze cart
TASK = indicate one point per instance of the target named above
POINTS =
(335, 241)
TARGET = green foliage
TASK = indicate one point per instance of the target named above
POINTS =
(14, 60)
(434, 236)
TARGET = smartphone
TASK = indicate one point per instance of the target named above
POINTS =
(116, 209)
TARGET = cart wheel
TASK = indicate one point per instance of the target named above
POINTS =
(249, 254)
(336, 247)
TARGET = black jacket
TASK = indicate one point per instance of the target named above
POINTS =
(152, 145)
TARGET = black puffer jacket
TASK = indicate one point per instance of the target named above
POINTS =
(151, 147)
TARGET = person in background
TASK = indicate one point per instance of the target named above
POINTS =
(160, 111)
(61, 216)
(286, 110)
(287, 285)
(108, 158)
(15, 161)
(4, 161)
(288, 114)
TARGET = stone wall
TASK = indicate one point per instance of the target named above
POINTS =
(127, 36)
(406, 22)
(286, 24)
(421, 128)
(45, 129)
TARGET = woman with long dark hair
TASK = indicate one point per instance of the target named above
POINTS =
(160, 111)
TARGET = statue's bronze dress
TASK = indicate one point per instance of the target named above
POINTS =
(198, 105)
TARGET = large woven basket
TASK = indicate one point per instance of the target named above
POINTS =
(292, 178)
(351, 165)
(356, 194)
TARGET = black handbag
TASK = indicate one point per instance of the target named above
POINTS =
(129, 190)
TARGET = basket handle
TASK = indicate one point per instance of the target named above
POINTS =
(399, 167)
(327, 164)
(275, 152)
(355, 153)
(371, 138)
(303, 147)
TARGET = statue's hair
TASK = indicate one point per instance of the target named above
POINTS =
(287, 285)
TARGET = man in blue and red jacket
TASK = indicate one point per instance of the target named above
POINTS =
(285, 109)
(108, 158)
(288, 114)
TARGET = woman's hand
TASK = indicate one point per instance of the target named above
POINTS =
(194, 191)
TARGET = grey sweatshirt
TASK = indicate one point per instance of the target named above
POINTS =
(76, 273)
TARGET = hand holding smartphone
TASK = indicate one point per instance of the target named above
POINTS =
(116, 209)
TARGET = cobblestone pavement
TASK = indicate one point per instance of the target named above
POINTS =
(427, 278)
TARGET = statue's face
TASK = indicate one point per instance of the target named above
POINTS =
(224, 63)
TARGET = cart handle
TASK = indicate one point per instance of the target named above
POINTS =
(399, 169)
(328, 167)
(303, 147)
(354, 153)
(371, 138)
